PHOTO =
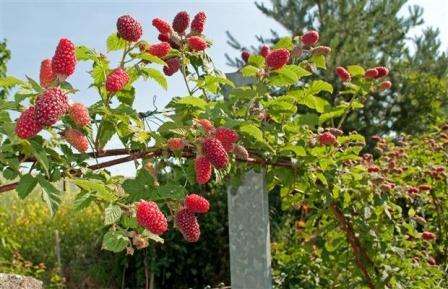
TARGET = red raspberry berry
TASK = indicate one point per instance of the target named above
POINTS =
(327, 138)
(77, 139)
(79, 114)
(175, 144)
(310, 38)
(206, 125)
(412, 191)
(198, 23)
(164, 38)
(321, 50)
(245, 55)
(26, 125)
(428, 236)
(264, 50)
(382, 71)
(227, 137)
(150, 217)
(196, 43)
(371, 73)
(343, 74)
(160, 49)
(203, 170)
(128, 28)
(215, 152)
(116, 80)
(373, 169)
(173, 65)
(64, 60)
(181, 22)
(385, 85)
(188, 225)
(240, 152)
(51, 106)
(277, 58)
(46, 75)
(161, 25)
(196, 204)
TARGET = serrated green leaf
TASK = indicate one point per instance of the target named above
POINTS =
(318, 86)
(152, 236)
(157, 76)
(299, 151)
(84, 53)
(355, 70)
(26, 185)
(40, 154)
(319, 61)
(249, 70)
(256, 60)
(191, 101)
(149, 57)
(115, 43)
(112, 214)
(115, 241)
(50, 195)
(285, 42)
(171, 191)
(252, 131)
(105, 132)
(10, 81)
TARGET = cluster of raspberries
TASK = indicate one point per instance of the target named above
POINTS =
(53, 102)
(150, 217)
(370, 74)
(277, 58)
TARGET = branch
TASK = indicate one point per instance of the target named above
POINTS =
(358, 251)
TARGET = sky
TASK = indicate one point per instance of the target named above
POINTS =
(33, 29)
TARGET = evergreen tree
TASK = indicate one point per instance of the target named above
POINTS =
(372, 32)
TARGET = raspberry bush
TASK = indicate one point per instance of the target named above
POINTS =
(364, 222)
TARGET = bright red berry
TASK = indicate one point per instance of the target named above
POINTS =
(172, 66)
(150, 217)
(321, 50)
(343, 74)
(327, 138)
(245, 55)
(206, 125)
(181, 22)
(129, 29)
(196, 43)
(188, 225)
(116, 80)
(176, 144)
(77, 139)
(79, 114)
(240, 152)
(264, 50)
(277, 58)
(160, 49)
(215, 152)
(51, 106)
(227, 137)
(428, 236)
(310, 38)
(371, 73)
(26, 125)
(385, 85)
(203, 170)
(198, 23)
(46, 75)
(64, 60)
(382, 71)
(196, 204)
(161, 25)
(164, 38)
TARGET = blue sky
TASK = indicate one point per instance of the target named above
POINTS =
(33, 29)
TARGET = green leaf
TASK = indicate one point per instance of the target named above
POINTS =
(139, 188)
(115, 43)
(84, 53)
(149, 57)
(152, 236)
(299, 71)
(102, 191)
(171, 191)
(299, 151)
(249, 70)
(40, 154)
(355, 70)
(115, 241)
(192, 101)
(318, 86)
(285, 42)
(256, 60)
(212, 82)
(26, 185)
(319, 61)
(10, 81)
(252, 131)
(105, 132)
(112, 214)
(157, 76)
(50, 194)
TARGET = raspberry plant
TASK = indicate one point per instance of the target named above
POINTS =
(357, 230)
